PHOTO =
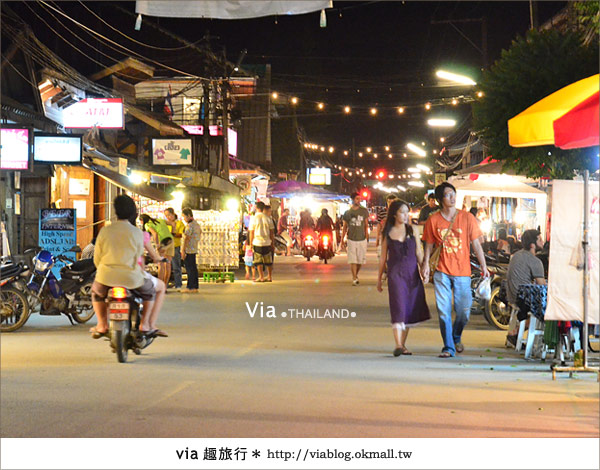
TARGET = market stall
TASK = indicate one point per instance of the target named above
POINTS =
(504, 202)
(218, 249)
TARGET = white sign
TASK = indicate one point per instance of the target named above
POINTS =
(14, 149)
(79, 187)
(123, 166)
(171, 151)
(319, 175)
(232, 142)
(57, 148)
(104, 113)
(80, 206)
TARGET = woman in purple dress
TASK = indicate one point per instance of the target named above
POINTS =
(403, 254)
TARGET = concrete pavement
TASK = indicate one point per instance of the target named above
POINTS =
(223, 373)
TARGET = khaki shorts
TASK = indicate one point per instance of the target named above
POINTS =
(167, 248)
(146, 291)
(357, 252)
(262, 255)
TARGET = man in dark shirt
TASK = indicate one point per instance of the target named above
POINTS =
(428, 209)
(283, 230)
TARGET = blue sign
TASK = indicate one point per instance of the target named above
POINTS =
(58, 234)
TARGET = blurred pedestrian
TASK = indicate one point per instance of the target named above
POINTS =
(189, 249)
(177, 228)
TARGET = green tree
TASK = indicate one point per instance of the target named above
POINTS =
(532, 68)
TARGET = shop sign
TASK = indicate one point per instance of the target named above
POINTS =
(171, 151)
(57, 148)
(104, 113)
(320, 176)
(199, 130)
(439, 178)
(123, 166)
(14, 149)
(58, 234)
(245, 184)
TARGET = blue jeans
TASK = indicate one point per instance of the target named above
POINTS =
(192, 270)
(445, 286)
(176, 264)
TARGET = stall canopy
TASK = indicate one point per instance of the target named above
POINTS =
(125, 183)
(501, 186)
(534, 126)
(290, 188)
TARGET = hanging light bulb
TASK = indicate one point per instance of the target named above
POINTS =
(360, 154)
(369, 149)
(387, 148)
(294, 100)
(374, 155)
(373, 111)
(454, 101)
(320, 106)
(400, 110)
(323, 19)
(428, 106)
(346, 152)
(347, 109)
(274, 95)
(390, 155)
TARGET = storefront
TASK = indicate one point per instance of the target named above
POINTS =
(502, 203)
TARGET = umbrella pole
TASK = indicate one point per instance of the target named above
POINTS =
(586, 275)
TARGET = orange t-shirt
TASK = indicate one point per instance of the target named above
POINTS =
(455, 255)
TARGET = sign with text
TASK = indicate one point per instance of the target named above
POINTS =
(104, 113)
(171, 151)
(319, 176)
(58, 233)
(14, 149)
(58, 148)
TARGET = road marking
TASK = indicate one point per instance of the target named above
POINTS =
(178, 389)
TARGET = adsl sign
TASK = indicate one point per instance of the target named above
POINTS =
(104, 113)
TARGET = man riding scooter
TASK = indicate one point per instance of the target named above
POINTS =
(325, 228)
(118, 248)
(307, 234)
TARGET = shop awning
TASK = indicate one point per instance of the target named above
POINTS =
(124, 182)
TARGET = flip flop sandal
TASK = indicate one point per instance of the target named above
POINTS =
(445, 355)
(98, 334)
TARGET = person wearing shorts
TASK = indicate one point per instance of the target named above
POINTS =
(262, 240)
(118, 248)
(357, 227)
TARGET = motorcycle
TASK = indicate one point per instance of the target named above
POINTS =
(71, 296)
(325, 250)
(309, 245)
(496, 310)
(124, 318)
(14, 305)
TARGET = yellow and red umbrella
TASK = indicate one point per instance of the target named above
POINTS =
(579, 127)
(535, 125)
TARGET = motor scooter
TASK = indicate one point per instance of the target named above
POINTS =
(325, 250)
(309, 244)
(14, 305)
(124, 318)
(496, 310)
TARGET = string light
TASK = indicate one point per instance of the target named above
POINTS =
(390, 155)
(331, 149)
(321, 106)
(347, 109)
(428, 106)
(294, 100)
(387, 148)
(374, 155)
(369, 149)
(400, 110)
(360, 154)
(454, 101)
(442, 139)
(274, 95)
(373, 111)
(480, 94)
(346, 152)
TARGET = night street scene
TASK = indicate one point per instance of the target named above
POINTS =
(299, 234)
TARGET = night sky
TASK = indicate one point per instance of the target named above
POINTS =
(381, 54)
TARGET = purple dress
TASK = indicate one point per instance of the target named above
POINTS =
(407, 294)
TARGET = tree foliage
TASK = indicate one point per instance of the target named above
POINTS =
(532, 68)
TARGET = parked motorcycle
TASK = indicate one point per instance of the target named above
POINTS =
(496, 310)
(124, 318)
(71, 296)
(325, 250)
(14, 306)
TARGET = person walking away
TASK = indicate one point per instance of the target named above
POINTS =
(261, 232)
(189, 249)
(454, 230)
(163, 240)
(283, 230)
(177, 227)
(356, 225)
(403, 254)
(268, 212)
(116, 253)
(524, 268)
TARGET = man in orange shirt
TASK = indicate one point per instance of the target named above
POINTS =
(452, 278)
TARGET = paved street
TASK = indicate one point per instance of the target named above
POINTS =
(222, 373)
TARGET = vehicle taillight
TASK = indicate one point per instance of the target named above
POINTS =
(325, 240)
(118, 293)
(309, 238)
